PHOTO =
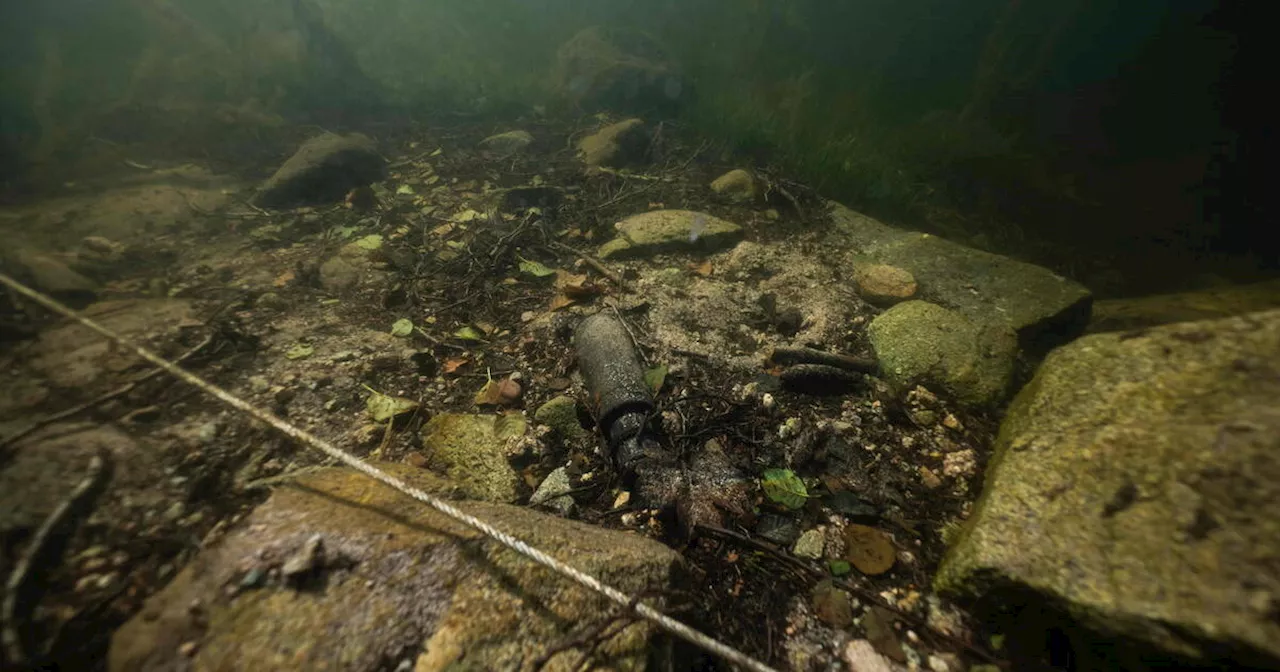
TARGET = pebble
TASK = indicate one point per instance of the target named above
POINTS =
(258, 384)
(188, 649)
(305, 559)
(960, 464)
(809, 545)
(208, 432)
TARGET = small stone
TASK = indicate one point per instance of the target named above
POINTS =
(188, 649)
(737, 185)
(305, 559)
(929, 479)
(884, 285)
(343, 356)
(767, 402)
(924, 417)
(271, 301)
(253, 578)
(960, 464)
(868, 549)
(507, 143)
(861, 656)
(556, 484)
(809, 545)
(561, 415)
(283, 395)
(832, 605)
(621, 500)
(258, 384)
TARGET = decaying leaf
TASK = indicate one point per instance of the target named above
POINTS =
(705, 269)
(560, 301)
(784, 488)
(655, 377)
(498, 393)
(534, 268)
(468, 333)
(372, 241)
(402, 327)
(284, 278)
(300, 351)
(451, 365)
(384, 408)
(868, 549)
(575, 286)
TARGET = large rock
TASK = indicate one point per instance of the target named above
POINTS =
(1044, 309)
(1134, 487)
(670, 230)
(617, 69)
(339, 572)
(323, 170)
(474, 450)
(1149, 311)
(919, 343)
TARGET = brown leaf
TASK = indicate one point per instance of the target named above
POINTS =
(868, 549)
(284, 278)
(451, 365)
(704, 269)
(575, 286)
(560, 301)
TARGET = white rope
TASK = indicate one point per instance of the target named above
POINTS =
(642, 610)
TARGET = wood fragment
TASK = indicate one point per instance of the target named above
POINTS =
(593, 263)
(19, 583)
(786, 355)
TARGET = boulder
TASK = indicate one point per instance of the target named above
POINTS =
(736, 186)
(617, 69)
(1149, 311)
(322, 171)
(507, 143)
(473, 451)
(615, 145)
(658, 231)
(1043, 308)
(919, 343)
(374, 576)
(1132, 498)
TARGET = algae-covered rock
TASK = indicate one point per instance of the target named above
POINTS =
(507, 143)
(473, 451)
(387, 575)
(737, 186)
(1208, 304)
(669, 230)
(615, 145)
(1043, 308)
(919, 343)
(1134, 486)
(561, 415)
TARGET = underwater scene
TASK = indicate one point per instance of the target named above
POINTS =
(701, 335)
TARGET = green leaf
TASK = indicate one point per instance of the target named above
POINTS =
(655, 377)
(372, 241)
(300, 351)
(534, 268)
(383, 408)
(405, 190)
(784, 488)
(402, 327)
(469, 333)
(343, 231)
(839, 567)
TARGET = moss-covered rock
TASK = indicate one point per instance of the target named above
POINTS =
(561, 415)
(1134, 487)
(1043, 308)
(919, 343)
(472, 450)
(391, 576)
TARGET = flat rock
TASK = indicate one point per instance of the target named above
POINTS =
(72, 356)
(322, 171)
(615, 145)
(392, 575)
(919, 343)
(670, 230)
(1134, 487)
(472, 449)
(507, 143)
(1150, 311)
(1043, 308)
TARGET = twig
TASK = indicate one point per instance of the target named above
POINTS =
(21, 573)
(786, 355)
(99, 400)
(593, 263)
